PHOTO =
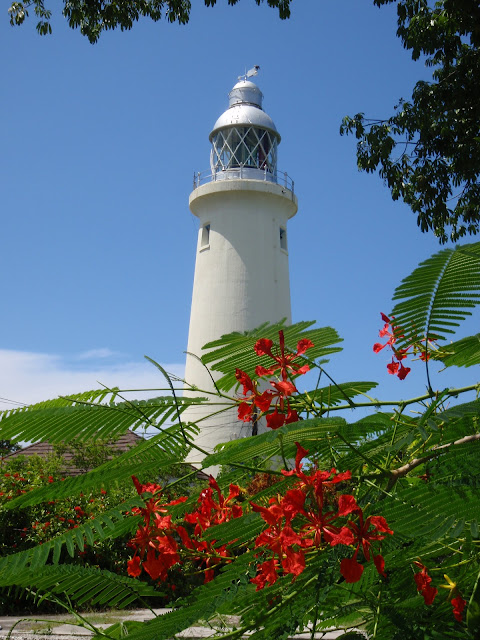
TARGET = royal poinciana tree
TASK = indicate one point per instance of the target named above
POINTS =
(367, 524)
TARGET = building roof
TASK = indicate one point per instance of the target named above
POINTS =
(45, 449)
(123, 443)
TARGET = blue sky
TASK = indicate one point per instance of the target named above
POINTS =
(99, 145)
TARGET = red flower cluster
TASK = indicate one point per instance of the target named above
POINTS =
(391, 331)
(429, 592)
(281, 390)
(154, 544)
(159, 543)
(304, 519)
(311, 516)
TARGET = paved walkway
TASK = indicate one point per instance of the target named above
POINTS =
(53, 626)
(56, 627)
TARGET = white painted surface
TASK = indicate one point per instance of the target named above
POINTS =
(241, 280)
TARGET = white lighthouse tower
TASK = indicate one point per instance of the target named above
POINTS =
(241, 271)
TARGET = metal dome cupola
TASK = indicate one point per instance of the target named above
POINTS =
(244, 138)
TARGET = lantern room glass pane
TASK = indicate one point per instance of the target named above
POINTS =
(244, 147)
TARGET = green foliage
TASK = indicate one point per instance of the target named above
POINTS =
(83, 584)
(87, 455)
(87, 530)
(418, 470)
(428, 151)
(94, 17)
(462, 353)
(438, 295)
(7, 447)
(80, 417)
(236, 349)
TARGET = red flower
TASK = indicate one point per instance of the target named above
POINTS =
(272, 515)
(141, 540)
(379, 563)
(385, 332)
(423, 580)
(458, 605)
(292, 416)
(293, 562)
(393, 367)
(157, 565)
(263, 401)
(301, 453)
(278, 538)
(429, 594)
(403, 372)
(283, 390)
(252, 398)
(245, 381)
(350, 569)
(150, 487)
(133, 567)
(363, 537)
(283, 414)
(293, 503)
(263, 347)
(275, 420)
(267, 574)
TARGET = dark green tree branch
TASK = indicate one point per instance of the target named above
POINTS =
(428, 151)
(94, 16)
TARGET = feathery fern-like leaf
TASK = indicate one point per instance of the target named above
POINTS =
(239, 529)
(431, 511)
(94, 396)
(438, 295)
(274, 443)
(86, 421)
(235, 350)
(335, 394)
(82, 585)
(462, 353)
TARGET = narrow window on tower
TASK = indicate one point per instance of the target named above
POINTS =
(205, 236)
(283, 239)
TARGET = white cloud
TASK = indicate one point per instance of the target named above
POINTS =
(28, 377)
(97, 353)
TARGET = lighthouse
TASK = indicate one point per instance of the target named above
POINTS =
(243, 203)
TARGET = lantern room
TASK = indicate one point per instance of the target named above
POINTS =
(244, 139)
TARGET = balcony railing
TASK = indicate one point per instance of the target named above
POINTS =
(243, 173)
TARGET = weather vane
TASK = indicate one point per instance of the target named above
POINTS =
(251, 72)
